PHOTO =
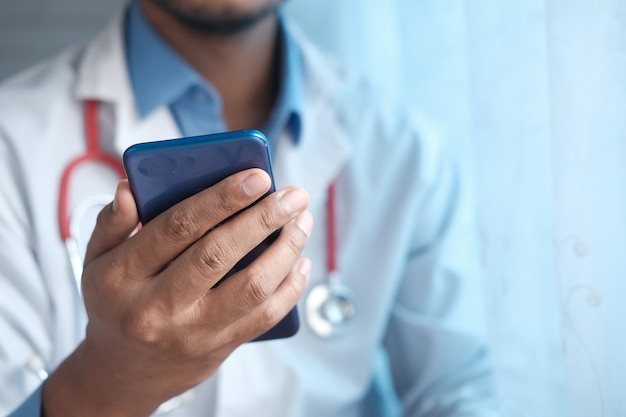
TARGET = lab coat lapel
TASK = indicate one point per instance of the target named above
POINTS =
(103, 76)
(316, 161)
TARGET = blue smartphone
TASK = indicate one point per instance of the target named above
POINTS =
(163, 173)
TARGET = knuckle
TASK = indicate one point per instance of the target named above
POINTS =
(105, 278)
(223, 342)
(142, 326)
(182, 225)
(256, 290)
(147, 327)
(227, 202)
(109, 282)
(297, 288)
(294, 241)
(268, 220)
(270, 315)
(215, 256)
(186, 346)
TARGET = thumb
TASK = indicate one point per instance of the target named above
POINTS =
(115, 223)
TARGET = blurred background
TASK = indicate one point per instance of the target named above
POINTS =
(531, 99)
(31, 30)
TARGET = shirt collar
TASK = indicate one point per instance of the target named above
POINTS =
(152, 62)
(287, 111)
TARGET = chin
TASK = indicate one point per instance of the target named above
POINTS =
(220, 16)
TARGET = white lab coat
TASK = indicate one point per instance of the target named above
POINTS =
(395, 199)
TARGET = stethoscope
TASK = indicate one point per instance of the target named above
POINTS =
(68, 224)
(330, 306)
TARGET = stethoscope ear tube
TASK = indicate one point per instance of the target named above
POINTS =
(76, 262)
(71, 244)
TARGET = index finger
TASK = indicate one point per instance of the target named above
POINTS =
(170, 233)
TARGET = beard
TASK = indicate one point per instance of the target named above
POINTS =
(225, 22)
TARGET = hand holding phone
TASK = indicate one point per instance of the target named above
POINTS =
(164, 173)
(156, 326)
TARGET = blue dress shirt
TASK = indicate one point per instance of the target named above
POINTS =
(194, 103)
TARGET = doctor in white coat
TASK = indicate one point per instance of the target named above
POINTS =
(153, 329)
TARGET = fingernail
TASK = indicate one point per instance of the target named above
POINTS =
(305, 267)
(294, 200)
(305, 222)
(256, 184)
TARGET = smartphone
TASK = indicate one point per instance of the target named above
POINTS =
(163, 173)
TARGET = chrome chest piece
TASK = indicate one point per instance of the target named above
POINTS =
(330, 307)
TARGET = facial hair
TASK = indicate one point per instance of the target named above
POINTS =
(218, 24)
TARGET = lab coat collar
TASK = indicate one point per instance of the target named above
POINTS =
(103, 76)
(313, 163)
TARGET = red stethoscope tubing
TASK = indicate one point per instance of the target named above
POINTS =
(331, 230)
(95, 154)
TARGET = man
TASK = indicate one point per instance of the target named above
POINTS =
(157, 334)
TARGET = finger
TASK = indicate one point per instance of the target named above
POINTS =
(251, 286)
(269, 313)
(167, 235)
(115, 223)
(247, 289)
(196, 271)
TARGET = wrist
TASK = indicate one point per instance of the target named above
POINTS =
(81, 386)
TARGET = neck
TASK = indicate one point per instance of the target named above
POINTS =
(242, 67)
